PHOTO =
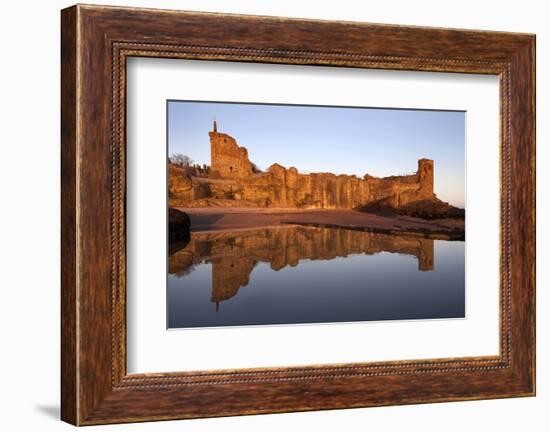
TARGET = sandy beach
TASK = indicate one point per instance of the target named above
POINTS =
(208, 219)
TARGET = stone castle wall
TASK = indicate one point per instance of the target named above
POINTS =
(233, 182)
(288, 188)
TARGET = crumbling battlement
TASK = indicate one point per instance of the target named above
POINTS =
(233, 182)
(227, 159)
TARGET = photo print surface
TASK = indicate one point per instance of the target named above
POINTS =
(298, 214)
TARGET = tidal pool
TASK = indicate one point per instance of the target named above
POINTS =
(298, 274)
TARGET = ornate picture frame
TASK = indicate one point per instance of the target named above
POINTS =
(96, 41)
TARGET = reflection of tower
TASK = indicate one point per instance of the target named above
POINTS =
(229, 274)
(425, 254)
(226, 278)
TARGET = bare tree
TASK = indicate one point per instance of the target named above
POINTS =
(181, 159)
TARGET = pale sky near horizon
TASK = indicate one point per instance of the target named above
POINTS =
(380, 142)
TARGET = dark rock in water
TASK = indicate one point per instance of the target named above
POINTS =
(430, 209)
(179, 224)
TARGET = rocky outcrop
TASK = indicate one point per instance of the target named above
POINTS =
(179, 224)
(430, 209)
(180, 185)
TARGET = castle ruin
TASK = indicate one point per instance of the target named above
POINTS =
(233, 181)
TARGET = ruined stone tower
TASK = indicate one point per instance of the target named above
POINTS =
(426, 178)
(227, 159)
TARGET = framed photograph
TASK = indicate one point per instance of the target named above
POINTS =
(264, 214)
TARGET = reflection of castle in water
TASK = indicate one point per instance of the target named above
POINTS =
(234, 254)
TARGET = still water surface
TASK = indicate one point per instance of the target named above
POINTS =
(298, 274)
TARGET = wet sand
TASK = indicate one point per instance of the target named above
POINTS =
(208, 219)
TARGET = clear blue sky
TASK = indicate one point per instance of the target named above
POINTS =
(379, 142)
